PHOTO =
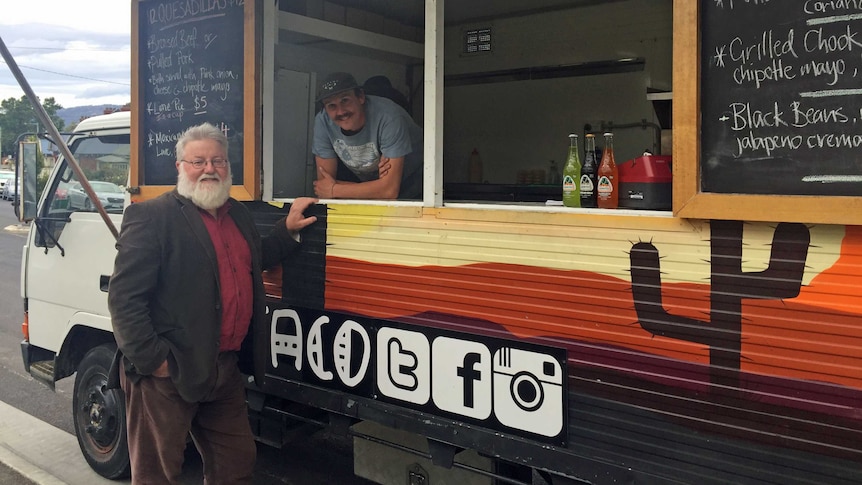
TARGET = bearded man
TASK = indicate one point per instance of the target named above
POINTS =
(186, 287)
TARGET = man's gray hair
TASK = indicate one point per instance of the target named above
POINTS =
(203, 131)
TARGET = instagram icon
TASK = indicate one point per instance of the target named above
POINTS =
(528, 391)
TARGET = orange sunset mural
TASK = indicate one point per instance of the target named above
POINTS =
(754, 324)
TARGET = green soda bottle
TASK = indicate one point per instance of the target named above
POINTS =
(572, 175)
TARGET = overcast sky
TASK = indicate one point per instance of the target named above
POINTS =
(76, 52)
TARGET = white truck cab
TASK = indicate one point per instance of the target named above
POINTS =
(67, 261)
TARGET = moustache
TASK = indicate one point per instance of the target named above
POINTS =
(209, 177)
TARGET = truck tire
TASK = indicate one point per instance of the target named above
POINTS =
(100, 415)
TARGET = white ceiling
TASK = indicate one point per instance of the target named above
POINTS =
(411, 12)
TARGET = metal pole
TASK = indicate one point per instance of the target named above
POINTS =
(55, 135)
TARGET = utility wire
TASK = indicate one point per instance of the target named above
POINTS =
(72, 75)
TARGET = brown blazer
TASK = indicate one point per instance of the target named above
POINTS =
(164, 295)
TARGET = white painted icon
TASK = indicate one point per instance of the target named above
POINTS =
(286, 344)
(528, 391)
(461, 377)
(314, 350)
(403, 365)
(343, 351)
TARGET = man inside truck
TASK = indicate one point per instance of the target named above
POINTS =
(186, 287)
(373, 137)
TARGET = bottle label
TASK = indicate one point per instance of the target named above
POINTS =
(568, 184)
(606, 187)
(586, 185)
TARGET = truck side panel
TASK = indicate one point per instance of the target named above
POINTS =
(690, 345)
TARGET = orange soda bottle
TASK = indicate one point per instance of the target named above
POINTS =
(608, 177)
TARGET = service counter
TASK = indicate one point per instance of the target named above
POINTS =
(502, 192)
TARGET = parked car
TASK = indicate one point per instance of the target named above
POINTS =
(110, 195)
(7, 188)
(6, 178)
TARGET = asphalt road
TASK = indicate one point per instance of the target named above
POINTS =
(311, 455)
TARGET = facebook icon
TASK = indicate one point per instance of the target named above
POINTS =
(461, 377)
(468, 374)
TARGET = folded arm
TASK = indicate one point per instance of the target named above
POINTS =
(386, 186)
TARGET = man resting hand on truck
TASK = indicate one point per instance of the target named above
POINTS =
(186, 287)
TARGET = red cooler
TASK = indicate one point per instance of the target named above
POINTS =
(646, 182)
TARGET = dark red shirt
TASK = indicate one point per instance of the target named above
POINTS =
(235, 280)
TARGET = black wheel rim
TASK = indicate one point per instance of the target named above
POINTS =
(98, 413)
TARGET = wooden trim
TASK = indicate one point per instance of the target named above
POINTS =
(686, 105)
(135, 116)
(688, 200)
(152, 191)
(251, 154)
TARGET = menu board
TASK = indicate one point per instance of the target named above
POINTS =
(781, 97)
(191, 71)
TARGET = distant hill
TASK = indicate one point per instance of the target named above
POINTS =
(74, 115)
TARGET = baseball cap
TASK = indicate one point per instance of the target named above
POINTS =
(334, 84)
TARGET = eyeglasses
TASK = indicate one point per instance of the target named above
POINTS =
(199, 163)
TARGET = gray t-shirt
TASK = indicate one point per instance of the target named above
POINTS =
(389, 131)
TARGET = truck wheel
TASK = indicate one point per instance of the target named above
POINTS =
(100, 416)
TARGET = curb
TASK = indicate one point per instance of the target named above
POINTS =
(42, 453)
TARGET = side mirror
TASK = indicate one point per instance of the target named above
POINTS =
(26, 201)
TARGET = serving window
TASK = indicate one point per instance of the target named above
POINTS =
(537, 73)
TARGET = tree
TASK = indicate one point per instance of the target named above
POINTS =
(17, 116)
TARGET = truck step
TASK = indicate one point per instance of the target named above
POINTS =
(43, 371)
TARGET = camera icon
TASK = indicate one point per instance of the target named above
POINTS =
(528, 391)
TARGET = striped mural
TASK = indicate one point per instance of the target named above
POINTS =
(755, 325)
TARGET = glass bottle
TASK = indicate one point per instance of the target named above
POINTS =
(572, 175)
(608, 177)
(588, 172)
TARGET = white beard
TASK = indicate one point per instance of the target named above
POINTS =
(207, 196)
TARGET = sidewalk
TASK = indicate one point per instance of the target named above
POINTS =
(33, 450)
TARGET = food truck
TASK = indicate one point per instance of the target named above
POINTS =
(707, 332)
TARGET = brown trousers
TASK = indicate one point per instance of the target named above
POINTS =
(158, 422)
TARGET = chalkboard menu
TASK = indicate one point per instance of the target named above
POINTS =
(191, 71)
(781, 97)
